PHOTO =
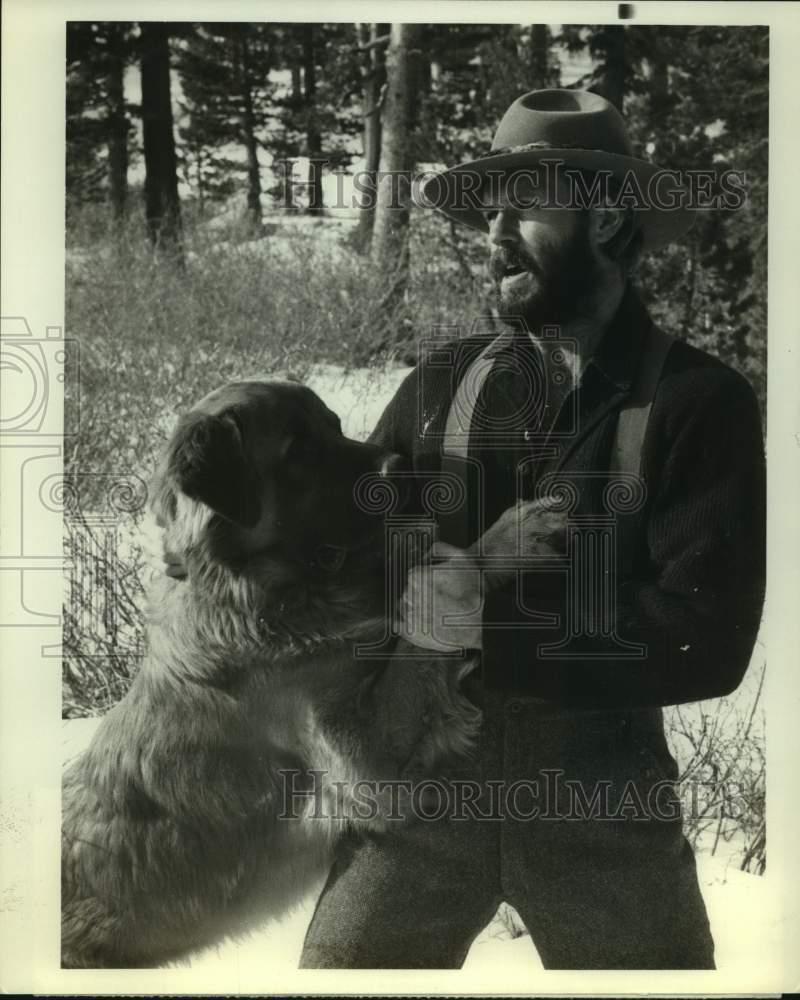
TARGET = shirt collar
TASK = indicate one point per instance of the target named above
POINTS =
(617, 356)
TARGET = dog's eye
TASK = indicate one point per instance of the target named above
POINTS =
(298, 448)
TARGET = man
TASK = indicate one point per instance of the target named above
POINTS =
(576, 824)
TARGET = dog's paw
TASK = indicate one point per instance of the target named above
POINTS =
(529, 528)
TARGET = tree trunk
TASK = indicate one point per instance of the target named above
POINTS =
(313, 139)
(117, 122)
(424, 75)
(390, 233)
(612, 78)
(285, 171)
(161, 175)
(297, 85)
(374, 78)
(659, 96)
(249, 136)
(539, 56)
(201, 187)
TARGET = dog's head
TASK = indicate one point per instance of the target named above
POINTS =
(264, 466)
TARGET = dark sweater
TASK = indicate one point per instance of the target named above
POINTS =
(694, 590)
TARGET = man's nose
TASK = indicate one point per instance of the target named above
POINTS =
(503, 228)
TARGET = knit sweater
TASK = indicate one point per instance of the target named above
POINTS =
(693, 594)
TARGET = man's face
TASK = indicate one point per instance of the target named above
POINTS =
(542, 264)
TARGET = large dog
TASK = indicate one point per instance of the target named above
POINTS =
(175, 824)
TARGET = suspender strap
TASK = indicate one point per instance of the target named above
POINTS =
(626, 451)
(456, 525)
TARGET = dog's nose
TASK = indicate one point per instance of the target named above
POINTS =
(392, 464)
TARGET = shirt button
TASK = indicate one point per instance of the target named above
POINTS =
(515, 707)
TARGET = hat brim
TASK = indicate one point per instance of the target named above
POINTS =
(660, 224)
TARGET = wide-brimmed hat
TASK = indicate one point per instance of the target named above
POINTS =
(582, 131)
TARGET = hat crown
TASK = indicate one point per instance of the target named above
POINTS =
(567, 119)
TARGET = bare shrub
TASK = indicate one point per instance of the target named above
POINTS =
(720, 747)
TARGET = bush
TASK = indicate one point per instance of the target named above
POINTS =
(720, 747)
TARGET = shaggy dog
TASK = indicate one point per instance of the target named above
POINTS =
(175, 828)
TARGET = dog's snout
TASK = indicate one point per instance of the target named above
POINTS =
(392, 464)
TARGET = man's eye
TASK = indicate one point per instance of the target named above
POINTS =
(490, 214)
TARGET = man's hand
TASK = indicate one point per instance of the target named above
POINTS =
(450, 587)
(455, 584)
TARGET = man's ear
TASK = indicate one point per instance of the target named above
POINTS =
(208, 462)
(606, 223)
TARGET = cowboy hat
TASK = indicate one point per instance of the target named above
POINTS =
(575, 129)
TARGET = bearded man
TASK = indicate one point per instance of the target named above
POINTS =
(576, 821)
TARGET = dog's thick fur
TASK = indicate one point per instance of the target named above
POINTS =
(171, 832)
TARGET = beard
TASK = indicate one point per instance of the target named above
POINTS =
(552, 287)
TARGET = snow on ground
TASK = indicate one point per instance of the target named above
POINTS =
(742, 912)
(279, 239)
(359, 396)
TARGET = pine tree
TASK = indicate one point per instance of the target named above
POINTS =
(317, 113)
(372, 40)
(162, 205)
(225, 80)
(98, 126)
(313, 136)
(390, 233)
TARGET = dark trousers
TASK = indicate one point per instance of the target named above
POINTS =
(576, 824)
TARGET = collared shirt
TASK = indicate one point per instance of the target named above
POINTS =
(538, 416)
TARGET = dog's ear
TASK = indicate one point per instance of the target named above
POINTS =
(209, 464)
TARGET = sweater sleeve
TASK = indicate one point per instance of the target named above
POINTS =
(696, 603)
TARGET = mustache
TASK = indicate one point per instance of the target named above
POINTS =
(503, 258)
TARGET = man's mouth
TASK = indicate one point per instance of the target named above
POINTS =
(509, 266)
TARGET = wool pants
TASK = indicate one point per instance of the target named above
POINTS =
(570, 816)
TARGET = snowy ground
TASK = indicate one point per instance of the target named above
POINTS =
(737, 903)
(732, 898)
